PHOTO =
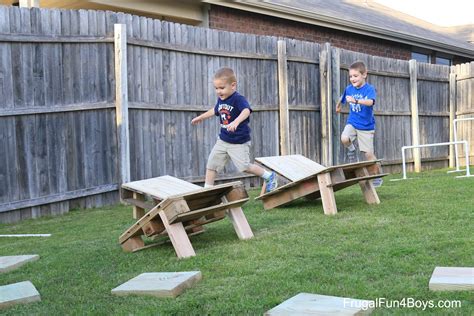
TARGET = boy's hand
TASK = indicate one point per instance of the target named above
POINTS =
(350, 99)
(196, 120)
(232, 126)
(338, 107)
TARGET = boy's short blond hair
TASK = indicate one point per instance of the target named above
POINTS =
(360, 66)
(226, 74)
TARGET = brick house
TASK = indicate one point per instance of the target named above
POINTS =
(362, 26)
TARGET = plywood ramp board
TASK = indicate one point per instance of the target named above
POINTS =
(161, 187)
(292, 167)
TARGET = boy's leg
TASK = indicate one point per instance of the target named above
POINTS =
(270, 178)
(210, 178)
(216, 161)
(366, 143)
(347, 138)
(240, 156)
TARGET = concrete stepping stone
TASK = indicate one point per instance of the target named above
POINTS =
(18, 293)
(159, 284)
(452, 279)
(9, 263)
(315, 304)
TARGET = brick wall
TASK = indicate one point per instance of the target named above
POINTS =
(246, 22)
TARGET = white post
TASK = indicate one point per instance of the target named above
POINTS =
(456, 155)
(455, 131)
(466, 152)
(121, 100)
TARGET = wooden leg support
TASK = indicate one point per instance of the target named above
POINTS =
(241, 226)
(179, 238)
(138, 212)
(236, 215)
(367, 187)
(327, 194)
(133, 243)
(302, 189)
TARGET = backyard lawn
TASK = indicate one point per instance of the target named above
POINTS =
(365, 252)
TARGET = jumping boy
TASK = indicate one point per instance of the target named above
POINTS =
(233, 111)
(361, 122)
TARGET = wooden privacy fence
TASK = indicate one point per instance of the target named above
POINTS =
(84, 106)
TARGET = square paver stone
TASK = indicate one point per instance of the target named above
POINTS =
(9, 263)
(452, 279)
(18, 293)
(160, 284)
(315, 304)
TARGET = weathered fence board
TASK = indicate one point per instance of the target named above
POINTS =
(465, 106)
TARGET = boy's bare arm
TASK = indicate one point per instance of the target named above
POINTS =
(243, 115)
(338, 106)
(198, 119)
(366, 102)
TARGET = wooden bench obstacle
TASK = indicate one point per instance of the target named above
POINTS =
(307, 178)
(178, 209)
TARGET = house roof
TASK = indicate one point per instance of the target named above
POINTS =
(362, 17)
(463, 32)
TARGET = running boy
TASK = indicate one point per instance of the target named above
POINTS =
(233, 111)
(361, 122)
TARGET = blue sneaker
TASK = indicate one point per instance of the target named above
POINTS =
(377, 182)
(271, 183)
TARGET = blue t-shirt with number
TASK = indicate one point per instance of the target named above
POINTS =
(360, 116)
(228, 110)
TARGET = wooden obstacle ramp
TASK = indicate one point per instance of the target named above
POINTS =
(182, 215)
(146, 194)
(314, 181)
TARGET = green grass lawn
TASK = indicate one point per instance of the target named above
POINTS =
(365, 251)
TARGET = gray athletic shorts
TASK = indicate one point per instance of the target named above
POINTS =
(222, 151)
(365, 138)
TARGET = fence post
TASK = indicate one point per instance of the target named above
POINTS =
(336, 94)
(415, 123)
(326, 108)
(121, 100)
(452, 114)
(283, 99)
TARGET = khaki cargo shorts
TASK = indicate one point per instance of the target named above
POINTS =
(222, 151)
(365, 138)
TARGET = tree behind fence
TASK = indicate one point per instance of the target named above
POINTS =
(58, 136)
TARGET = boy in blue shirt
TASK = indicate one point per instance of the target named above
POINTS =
(233, 111)
(361, 122)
